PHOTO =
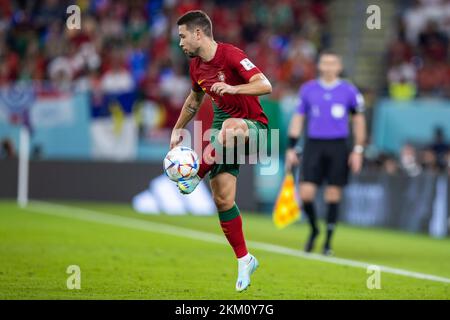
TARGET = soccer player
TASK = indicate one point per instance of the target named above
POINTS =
(327, 103)
(233, 82)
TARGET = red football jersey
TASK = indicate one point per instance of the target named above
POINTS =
(229, 65)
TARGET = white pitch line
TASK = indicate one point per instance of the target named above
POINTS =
(140, 224)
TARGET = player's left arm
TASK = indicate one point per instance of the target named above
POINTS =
(359, 134)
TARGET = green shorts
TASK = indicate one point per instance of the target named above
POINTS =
(257, 129)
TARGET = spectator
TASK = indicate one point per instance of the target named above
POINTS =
(433, 43)
(389, 164)
(428, 160)
(145, 27)
(415, 20)
(400, 51)
(117, 79)
(432, 77)
(299, 45)
(408, 160)
(7, 151)
(423, 44)
(401, 79)
(440, 148)
(150, 83)
(175, 86)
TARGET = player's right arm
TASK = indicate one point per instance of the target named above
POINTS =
(188, 112)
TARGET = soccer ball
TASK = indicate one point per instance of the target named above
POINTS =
(181, 163)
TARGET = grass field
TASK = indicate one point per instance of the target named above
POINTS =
(124, 255)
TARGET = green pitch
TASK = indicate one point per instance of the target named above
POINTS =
(124, 255)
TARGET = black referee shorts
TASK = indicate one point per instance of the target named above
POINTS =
(325, 161)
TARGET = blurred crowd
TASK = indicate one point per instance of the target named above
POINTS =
(418, 63)
(419, 57)
(415, 158)
(135, 43)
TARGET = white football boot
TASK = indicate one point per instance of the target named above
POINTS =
(246, 266)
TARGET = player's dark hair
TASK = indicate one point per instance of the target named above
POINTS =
(196, 18)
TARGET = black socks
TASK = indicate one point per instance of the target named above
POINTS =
(332, 217)
(310, 211)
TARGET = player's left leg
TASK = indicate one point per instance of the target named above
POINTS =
(223, 187)
(232, 132)
(333, 196)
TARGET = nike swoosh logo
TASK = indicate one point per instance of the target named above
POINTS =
(201, 81)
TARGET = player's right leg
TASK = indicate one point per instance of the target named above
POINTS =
(223, 187)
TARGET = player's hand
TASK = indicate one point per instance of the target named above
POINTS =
(222, 88)
(291, 160)
(355, 161)
(175, 138)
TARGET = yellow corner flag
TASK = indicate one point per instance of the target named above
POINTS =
(286, 209)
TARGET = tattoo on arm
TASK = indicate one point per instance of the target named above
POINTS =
(191, 109)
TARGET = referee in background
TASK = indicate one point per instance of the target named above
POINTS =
(326, 103)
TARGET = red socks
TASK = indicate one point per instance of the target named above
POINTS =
(231, 223)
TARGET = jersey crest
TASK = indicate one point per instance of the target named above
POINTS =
(221, 76)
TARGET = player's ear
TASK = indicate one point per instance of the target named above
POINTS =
(197, 33)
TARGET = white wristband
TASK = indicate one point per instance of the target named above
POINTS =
(358, 149)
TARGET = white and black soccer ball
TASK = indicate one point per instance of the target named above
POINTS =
(181, 163)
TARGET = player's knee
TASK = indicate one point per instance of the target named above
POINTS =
(223, 202)
(232, 130)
